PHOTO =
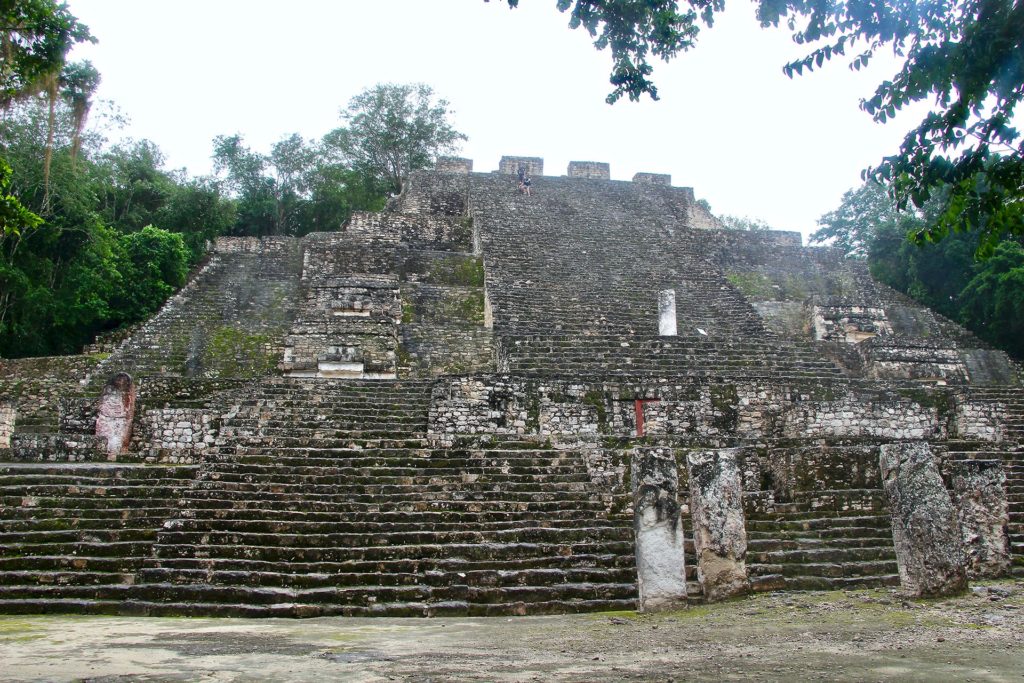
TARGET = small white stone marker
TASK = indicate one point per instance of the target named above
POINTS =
(667, 313)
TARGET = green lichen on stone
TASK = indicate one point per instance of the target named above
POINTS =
(532, 409)
(408, 312)
(942, 401)
(231, 352)
(753, 285)
(463, 231)
(597, 400)
(471, 309)
(724, 400)
(467, 271)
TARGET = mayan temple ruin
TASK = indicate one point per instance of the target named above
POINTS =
(483, 403)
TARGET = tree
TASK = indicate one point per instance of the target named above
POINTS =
(945, 276)
(300, 187)
(14, 218)
(744, 223)
(993, 301)
(964, 56)
(863, 213)
(154, 263)
(35, 38)
(392, 130)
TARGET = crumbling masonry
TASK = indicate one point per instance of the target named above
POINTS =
(482, 403)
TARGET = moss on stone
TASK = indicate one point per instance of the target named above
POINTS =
(459, 270)
(597, 400)
(233, 352)
(532, 409)
(753, 285)
(408, 312)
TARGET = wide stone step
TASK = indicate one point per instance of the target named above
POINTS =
(15, 518)
(91, 535)
(501, 499)
(297, 539)
(398, 519)
(848, 528)
(392, 477)
(401, 565)
(813, 521)
(303, 523)
(434, 578)
(362, 596)
(812, 556)
(762, 545)
(821, 583)
(65, 578)
(487, 551)
(99, 470)
(136, 548)
(293, 610)
(73, 563)
(14, 491)
(417, 491)
(353, 463)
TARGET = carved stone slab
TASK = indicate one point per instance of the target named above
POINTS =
(719, 525)
(979, 493)
(660, 562)
(115, 413)
(925, 528)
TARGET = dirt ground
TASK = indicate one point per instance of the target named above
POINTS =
(872, 635)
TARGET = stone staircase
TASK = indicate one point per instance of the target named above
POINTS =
(608, 355)
(72, 531)
(336, 517)
(822, 541)
(246, 291)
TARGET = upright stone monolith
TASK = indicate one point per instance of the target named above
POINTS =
(719, 525)
(667, 313)
(979, 494)
(8, 416)
(660, 562)
(925, 530)
(115, 413)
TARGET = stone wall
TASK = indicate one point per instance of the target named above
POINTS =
(510, 165)
(692, 409)
(176, 435)
(453, 165)
(663, 179)
(35, 385)
(597, 170)
(32, 447)
(432, 350)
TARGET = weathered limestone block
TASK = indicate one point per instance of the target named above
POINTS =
(925, 529)
(589, 169)
(719, 526)
(667, 313)
(116, 410)
(8, 415)
(653, 178)
(454, 165)
(509, 165)
(660, 563)
(979, 493)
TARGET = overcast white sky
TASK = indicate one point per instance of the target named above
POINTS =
(729, 123)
